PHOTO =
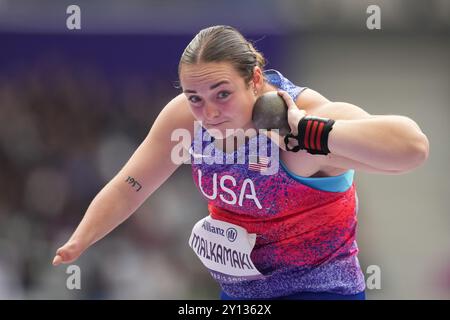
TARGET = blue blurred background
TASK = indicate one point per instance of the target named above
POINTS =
(75, 104)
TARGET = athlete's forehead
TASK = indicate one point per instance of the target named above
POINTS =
(208, 76)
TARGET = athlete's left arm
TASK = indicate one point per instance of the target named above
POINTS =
(389, 143)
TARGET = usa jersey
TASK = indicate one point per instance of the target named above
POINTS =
(305, 227)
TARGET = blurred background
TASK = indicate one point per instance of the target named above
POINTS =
(75, 104)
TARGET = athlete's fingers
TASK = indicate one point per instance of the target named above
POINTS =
(57, 260)
(287, 98)
(294, 114)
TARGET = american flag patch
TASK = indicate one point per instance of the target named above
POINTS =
(258, 163)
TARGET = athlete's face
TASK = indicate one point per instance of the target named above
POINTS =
(219, 97)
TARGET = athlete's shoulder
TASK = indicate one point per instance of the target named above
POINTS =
(309, 100)
(177, 114)
(276, 78)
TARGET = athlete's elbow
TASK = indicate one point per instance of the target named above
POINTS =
(416, 155)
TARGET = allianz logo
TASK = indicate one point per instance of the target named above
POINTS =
(230, 233)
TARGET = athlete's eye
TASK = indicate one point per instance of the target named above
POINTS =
(223, 94)
(194, 99)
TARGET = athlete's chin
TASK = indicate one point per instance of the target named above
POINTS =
(220, 133)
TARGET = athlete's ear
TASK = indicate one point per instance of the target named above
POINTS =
(258, 78)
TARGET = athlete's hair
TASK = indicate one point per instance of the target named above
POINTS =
(223, 44)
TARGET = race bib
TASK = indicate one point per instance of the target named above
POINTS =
(224, 248)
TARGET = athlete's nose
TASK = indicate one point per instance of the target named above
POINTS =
(211, 112)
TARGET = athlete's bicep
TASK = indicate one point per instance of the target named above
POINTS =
(154, 160)
(315, 104)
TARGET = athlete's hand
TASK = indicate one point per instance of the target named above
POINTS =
(68, 253)
(295, 114)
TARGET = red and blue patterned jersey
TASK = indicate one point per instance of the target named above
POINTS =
(305, 227)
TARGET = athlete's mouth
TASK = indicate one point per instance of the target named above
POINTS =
(216, 124)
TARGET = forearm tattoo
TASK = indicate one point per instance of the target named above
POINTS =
(134, 183)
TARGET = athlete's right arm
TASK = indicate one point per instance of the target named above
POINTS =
(149, 166)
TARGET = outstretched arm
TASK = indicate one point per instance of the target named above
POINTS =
(145, 171)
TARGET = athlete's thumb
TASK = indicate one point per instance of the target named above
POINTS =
(57, 260)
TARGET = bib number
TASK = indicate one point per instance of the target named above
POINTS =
(224, 248)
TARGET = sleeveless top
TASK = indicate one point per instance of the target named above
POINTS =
(305, 227)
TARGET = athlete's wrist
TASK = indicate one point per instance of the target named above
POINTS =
(311, 135)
